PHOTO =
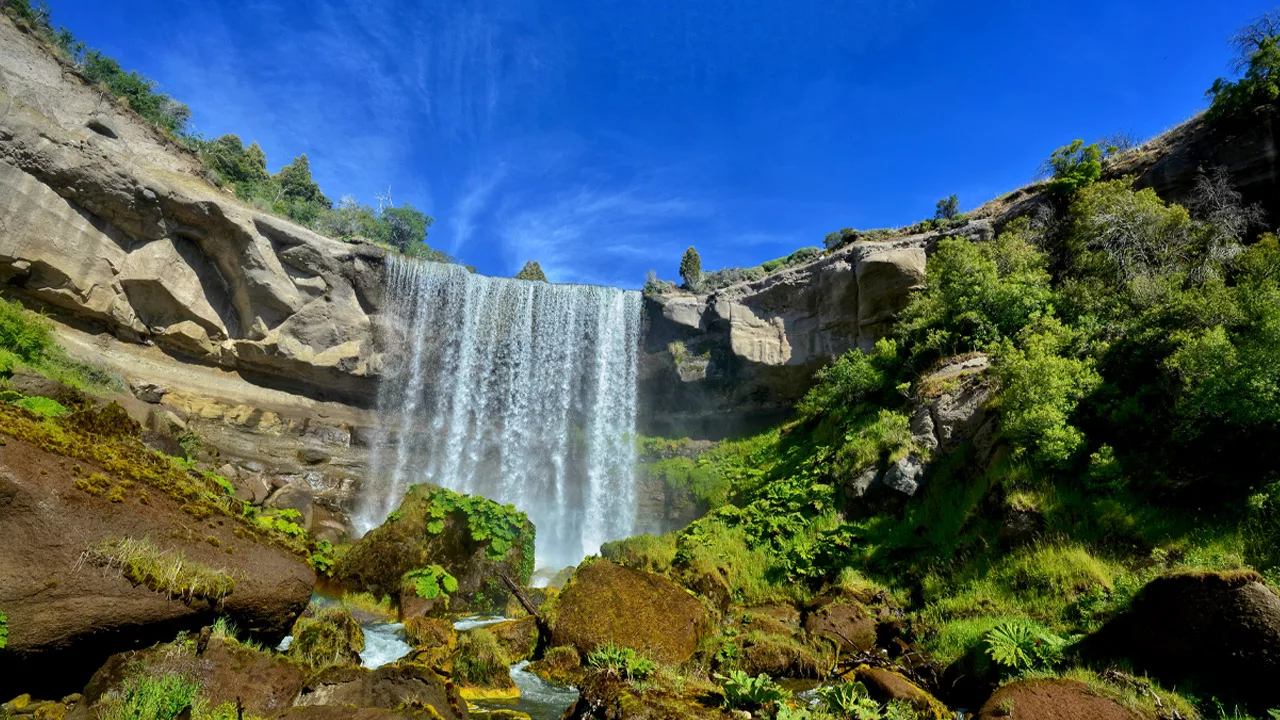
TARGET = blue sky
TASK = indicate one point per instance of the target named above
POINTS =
(604, 137)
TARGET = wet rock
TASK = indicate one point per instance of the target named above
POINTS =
(329, 637)
(885, 686)
(391, 687)
(604, 697)
(844, 621)
(518, 638)
(561, 665)
(607, 603)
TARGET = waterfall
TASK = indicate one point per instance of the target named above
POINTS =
(523, 392)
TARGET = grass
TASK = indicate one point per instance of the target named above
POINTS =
(367, 603)
(479, 659)
(26, 339)
(643, 552)
(164, 571)
(169, 696)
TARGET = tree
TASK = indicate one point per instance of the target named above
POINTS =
(296, 183)
(531, 271)
(233, 162)
(1258, 89)
(691, 269)
(402, 227)
(840, 238)
(1074, 166)
(948, 208)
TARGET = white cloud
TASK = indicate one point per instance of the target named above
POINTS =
(475, 198)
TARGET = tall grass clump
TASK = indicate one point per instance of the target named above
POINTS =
(164, 571)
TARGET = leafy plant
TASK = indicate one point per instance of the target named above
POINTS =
(4, 630)
(431, 582)
(743, 692)
(323, 557)
(622, 662)
(1074, 166)
(1018, 646)
(45, 407)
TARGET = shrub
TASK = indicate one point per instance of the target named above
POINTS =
(840, 238)
(1074, 166)
(691, 269)
(148, 697)
(743, 692)
(849, 700)
(622, 662)
(850, 381)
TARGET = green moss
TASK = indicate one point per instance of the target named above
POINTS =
(164, 571)
(479, 660)
(4, 630)
(643, 552)
(327, 636)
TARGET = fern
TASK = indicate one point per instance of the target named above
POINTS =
(1019, 646)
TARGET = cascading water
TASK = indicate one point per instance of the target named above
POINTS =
(523, 392)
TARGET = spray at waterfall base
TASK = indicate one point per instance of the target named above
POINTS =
(523, 392)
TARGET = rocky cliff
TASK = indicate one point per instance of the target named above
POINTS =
(108, 224)
(739, 358)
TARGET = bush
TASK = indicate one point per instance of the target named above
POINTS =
(851, 380)
(1074, 166)
(148, 697)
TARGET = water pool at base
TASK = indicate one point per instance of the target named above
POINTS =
(539, 699)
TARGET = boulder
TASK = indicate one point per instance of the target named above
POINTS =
(252, 488)
(147, 391)
(1217, 630)
(328, 636)
(480, 667)
(1052, 700)
(66, 617)
(413, 538)
(433, 641)
(228, 672)
(404, 687)
(517, 638)
(297, 495)
(842, 620)
(885, 686)
(607, 603)
(560, 665)
(604, 697)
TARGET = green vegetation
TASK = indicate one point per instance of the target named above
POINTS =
(1074, 166)
(498, 526)
(691, 269)
(431, 582)
(42, 406)
(948, 208)
(326, 636)
(743, 692)
(1131, 346)
(479, 659)
(26, 340)
(164, 571)
(169, 696)
(531, 271)
(622, 662)
(4, 630)
(1257, 91)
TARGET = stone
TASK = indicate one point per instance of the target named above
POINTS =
(379, 560)
(905, 475)
(885, 686)
(252, 488)
(844, 621)
(1217, 630)
(297, 495)
(388, 687)
(65, 622)
(607, 603)
(228, 471)
(328, 637)
(313, 455)
(886, 279)
(228, 672)
(1052, 700)
(518, 638)
(147, 391)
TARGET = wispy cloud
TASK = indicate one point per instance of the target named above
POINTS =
(595, 235)
(473, 201)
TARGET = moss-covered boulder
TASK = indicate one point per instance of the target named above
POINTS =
(606, 697)
(327, 636)
(518, 638)
(607, 603)
(481, 670)
(560, 665)
(1052, 700)
(755, 641)
(843, 620)
(885, 686)
(1217, 630)
(226, 670)
(424, 632)
(414, 690)
(475, 540)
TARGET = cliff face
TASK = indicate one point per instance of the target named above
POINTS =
(108, 224)
(739, 358)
